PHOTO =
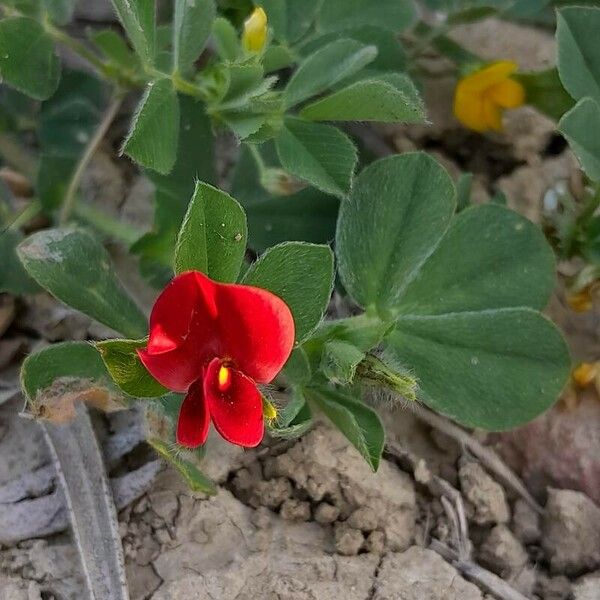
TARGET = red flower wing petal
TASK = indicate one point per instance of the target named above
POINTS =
(236, 412)
(176, 370)
(256, 329)
(194, 418)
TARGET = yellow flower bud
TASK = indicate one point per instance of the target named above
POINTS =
(585, 374)
(254, 37)
(481, 97)
(581, 301)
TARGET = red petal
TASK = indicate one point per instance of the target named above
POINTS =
(183, 331)
(194, 418)
(237, 412)
(257, 330)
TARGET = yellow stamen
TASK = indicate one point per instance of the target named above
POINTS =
(585, 374)
(269, 410)
(254, 37)
(224, 378)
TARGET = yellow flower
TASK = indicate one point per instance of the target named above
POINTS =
(585, 374)
(254, 37)
(482, 96)
(581, 301)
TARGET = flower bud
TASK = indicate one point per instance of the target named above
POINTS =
(254, 37)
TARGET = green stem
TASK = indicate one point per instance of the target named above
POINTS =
(71, 193)
(78, 47)
(31, 210)
(260, 163)
(106, 224)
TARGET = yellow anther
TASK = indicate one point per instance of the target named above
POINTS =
(224, 378)
(269, 410)
(254, 37)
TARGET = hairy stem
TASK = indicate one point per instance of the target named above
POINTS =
(71, 194)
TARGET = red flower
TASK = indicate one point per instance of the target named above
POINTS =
(214, 341)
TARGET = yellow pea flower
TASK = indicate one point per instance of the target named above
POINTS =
(482, 96)
(254, 37)
(585, 374)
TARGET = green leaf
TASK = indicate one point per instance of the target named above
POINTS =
(367, 100)
(390, 54)
(126, 368)
(75, 268)
(297, 368)
(491, 257)
(61, 11)
(328, 65)
(27, 58)
(13, 277)
(192, 24)
(226, 39)
(114, 47)
(399, 210)
(213, 235)
(359, 423)
(581, 126)
(78, 360)
(289, 19)
(395, 15)
(294, 419)
(339, 361)
(493, 369)
(139, 21)
(544, 91)
(320, 154)
(197, 481)
(578, 56)
(302, 275)
(152, 138)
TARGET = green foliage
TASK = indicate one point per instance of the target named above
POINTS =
(13, 277)
(399, 210)
(369, 100)
(395, 15)
(339, 361)
(192, 24)
(152, 139)
(27, 58)
(320, 154)
(302, 275)
(326, 67)
(493, 369)
(290, 19)
(115, 49)
(578, 56)
(139, 21)
(78, 360)
(60, 11)
(460, 292)
(213, 235)
(75, 268)
(359, 423)
(126, 369)
(544, 91)
(581, 126)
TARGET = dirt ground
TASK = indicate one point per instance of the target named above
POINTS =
(307, 519)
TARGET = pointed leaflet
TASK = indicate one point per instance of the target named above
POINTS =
(192, 24)
(213, 235)
(302, 275)
(325, 67)
(578, 56)
(581, 126)
(399, 209)
(153, 136)
(320, 154)
(27, 58)
(395, 15)
(139, 21)
(75, 268)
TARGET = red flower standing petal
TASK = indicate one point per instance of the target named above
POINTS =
(194, 418)
(257, 330)
(235, 404)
